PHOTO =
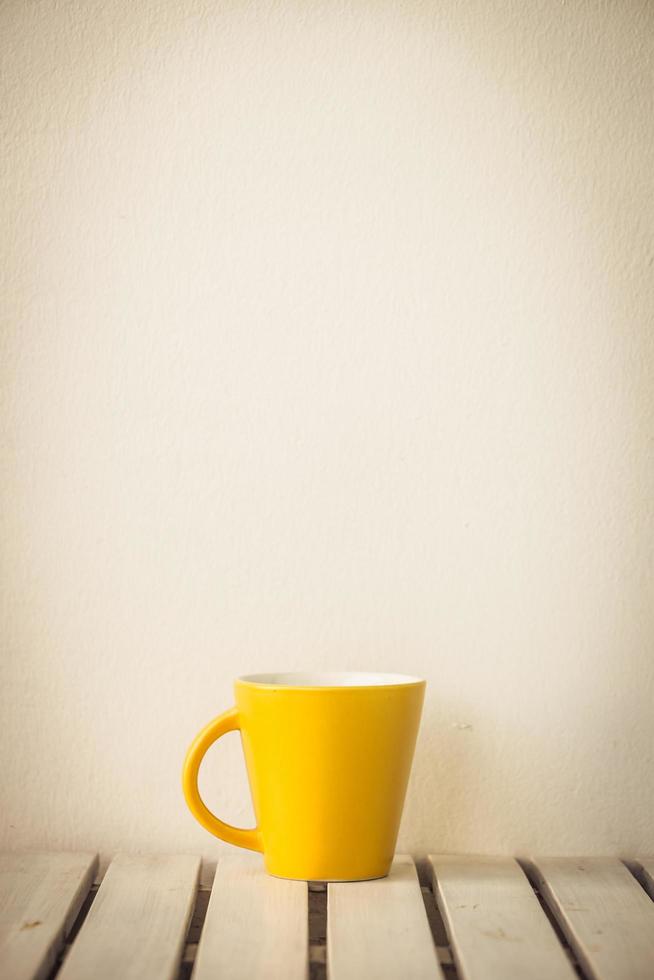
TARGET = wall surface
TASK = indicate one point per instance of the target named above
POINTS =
(327, 343)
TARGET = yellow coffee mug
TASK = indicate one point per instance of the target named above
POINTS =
(328, 759)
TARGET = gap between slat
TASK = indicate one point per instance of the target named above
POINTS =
(439, 934)
(642, 874)
(317, 931)
(531, 875)
(75, 928)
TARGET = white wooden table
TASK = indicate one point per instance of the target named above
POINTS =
(471, 918)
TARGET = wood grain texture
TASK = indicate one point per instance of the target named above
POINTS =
(40, 896)
(256, 925)
(605, 914)
(379, 928)
(136, 926)
(494, 921)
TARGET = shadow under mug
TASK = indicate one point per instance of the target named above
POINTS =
(328, 758)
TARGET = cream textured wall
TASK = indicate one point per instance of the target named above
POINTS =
(327, 343)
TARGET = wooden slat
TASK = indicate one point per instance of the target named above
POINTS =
(379, 928)
(256, 925)
(137, 923)
(646, 868)
(605, 914)
(494, 921)
(40, 896)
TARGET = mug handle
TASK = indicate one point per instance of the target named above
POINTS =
(227, 722)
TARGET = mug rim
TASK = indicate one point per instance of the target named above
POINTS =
(328, 680)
